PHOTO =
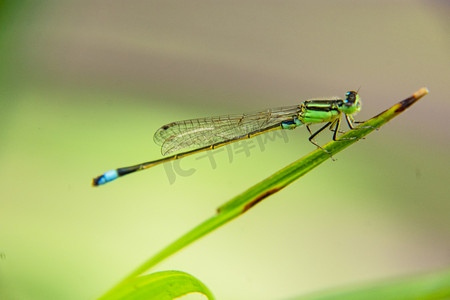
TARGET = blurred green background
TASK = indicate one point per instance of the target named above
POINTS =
(84, 84)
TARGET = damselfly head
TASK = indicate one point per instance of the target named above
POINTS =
(351, 103)
(351, 98)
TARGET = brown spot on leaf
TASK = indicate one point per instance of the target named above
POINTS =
(405, 104)
(260, 198)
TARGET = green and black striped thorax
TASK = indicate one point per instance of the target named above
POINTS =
(349, 105)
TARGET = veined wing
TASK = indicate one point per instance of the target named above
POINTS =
(197, 133)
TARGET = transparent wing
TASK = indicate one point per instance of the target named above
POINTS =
(197, 133)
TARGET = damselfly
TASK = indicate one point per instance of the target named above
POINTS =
(203, 134)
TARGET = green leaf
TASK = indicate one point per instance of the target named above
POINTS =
(165, 285)
(423, 287)
(243, 202)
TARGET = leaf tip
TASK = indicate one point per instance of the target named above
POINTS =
(411, 100)
(420, 93)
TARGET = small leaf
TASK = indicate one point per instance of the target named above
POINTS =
(165, 285)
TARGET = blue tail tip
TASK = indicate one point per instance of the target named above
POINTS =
(106, 177)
